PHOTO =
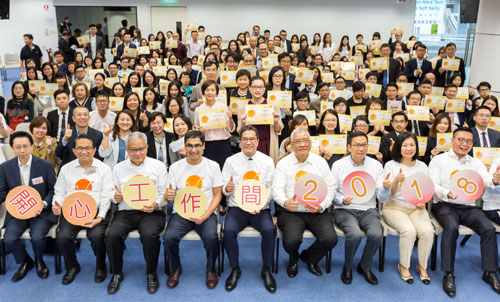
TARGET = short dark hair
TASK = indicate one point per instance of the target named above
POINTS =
(20, 134)
(392, 84)
(283, 55)
(358, 86)
(482, 107)
(257, 78)
(399, 113)
(465, 129)
(243, 73)
(155, 114)
(103, 93)
(414, 92)
(84, 136)
(59, 91)
(92, 25)
(29, 36)
(354, 135)
(484, 84)
(426, 81)
(451, 44)
(249, 128)
(421, 46)
(207, 84)
(321, 85)
(302, 94)
(396, 150)
(385, 45)
(207, 64)
(194, 134)
(371, 74)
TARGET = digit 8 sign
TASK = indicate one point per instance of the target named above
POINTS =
(360, 186)
(467, 184)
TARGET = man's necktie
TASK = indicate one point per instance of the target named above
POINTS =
(485, 141)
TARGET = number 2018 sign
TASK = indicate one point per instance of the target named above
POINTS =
(310, 189)
(467, 184)
(360, 186)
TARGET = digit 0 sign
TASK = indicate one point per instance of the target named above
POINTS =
(417, 189)
(310, 189)
(467, 184)
(360, 186)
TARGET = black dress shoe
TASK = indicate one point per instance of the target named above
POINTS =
(41, 269)
(492, 279)
(232, 280)
(369, 277)
(269, 282)
(346, 276)
(23, 269)
(449, 284)
(114, 283)
(292, 269)
(311, 267)
(70, 274)
(100, 275)
(153, 284)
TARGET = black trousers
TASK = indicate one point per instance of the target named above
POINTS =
(293, 225)
(66, 241)
(149, 225)
(450, 216)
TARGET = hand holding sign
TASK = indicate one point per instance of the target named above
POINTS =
(139, 191)
(467, 185)
(310, 189)
(360, 186)
(56, 208)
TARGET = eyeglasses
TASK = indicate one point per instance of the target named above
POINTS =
(361, 126)
(136, 150)
(302, 141)
(462, 140)
(189, 146)
(249, 139)
(81, 149)
(102, 101)
(258, 87)
(359, 146)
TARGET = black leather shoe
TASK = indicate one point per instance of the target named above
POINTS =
(369, 277)
(23, 269)
(100, 275)
(292, 269)
(449, 284)
(311, 267)
(114, 283)
(233, 278)
(346, 276)
(269, 282)
(153, 284)
(492, 279)
(41, 269)
(70, 274)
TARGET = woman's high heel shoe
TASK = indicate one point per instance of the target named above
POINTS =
(407, 279)
(425, 279)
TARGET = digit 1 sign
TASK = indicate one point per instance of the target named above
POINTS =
(417, 189)
(360, 186)
(311, 189)
(467, 184)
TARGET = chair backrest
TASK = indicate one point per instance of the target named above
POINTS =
(3, 212)
(7, 152)
(47, 110)
(11, 58)
(23, 127)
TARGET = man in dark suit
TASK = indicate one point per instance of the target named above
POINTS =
(417, 68)
(158, 139)
(62, 116)
(96, 44)
(253, 49)
(81, 118)
(399, 122)
(444, 77)
(127, 37)
(388, 75)
(28, 170)
(482, 135)
(68, 51)
(286, 44)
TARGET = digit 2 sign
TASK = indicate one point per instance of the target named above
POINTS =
(310, 189)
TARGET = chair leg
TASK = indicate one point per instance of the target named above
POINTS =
(464, 241)
(329, 261)
(2, 257)
(219, 269)
(165, 260)
(434, 253)
(277, 255)
(56, 260)
(222, 252)
(381, 256)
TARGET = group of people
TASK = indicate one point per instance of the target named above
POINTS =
(150, 122)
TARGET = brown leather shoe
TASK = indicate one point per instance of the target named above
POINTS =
(212, 279)
(173, 278)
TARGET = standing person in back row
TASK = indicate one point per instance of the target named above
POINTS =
(30, 51)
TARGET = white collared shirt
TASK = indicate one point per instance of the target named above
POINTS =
(93, 45)
(60, 128)
(151, 168)
(98, 175)
(285, 178)
(441, 167)
(491, 196)
(238, 165)
(24, 171)
(99, 123)
(345, 166)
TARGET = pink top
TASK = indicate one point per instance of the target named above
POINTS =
(214, 134)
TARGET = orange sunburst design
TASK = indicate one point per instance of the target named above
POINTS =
(251, 113)
(299, 174)
(453, 173)
(412, 111)
(194, 181)
(442, 141)
(373, 116)
(251, 175)
(492, 124)
(479, 154)
(83, 184)
(204, 119)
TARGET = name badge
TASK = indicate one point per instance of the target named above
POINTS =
(37, 181)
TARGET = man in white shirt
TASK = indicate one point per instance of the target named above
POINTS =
(248, 164)
(295, 218)
(102, 118)
(451, 212)
(195, 46)
(356, 218)
(84, 170)
(96, 42)
(263, 53)
(207, 176)
(149, 221)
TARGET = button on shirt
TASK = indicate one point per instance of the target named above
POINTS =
(150, 167)
(239, 165)
(345, 166)
(286, 171)
(441, 167)
(98, 175)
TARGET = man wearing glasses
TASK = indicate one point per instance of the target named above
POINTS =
(293, 217)
(149, 221)
(85, 167)
(355, 218)
(102, 118)
(194, 170)
(450, 212)
(399, 122)
(484, 136)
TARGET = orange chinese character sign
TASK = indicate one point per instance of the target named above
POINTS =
(79, 208)
(22, 202)
(251, 195)
(190, 202)
(139, 191)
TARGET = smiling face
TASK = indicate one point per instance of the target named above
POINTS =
(40, 132)
(249, 143)
(330, 122)
(461, 142)
(194, 149)
(301, 144)
(180, 127)
(22, 148)
(137, 150)
(124, 122)
(157, 125)
(408, 148)
(81, 117)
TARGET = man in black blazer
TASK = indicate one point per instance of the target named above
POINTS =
(285, 61)
(100, 44)
(62, 116)
(444, 77)
(157, 122)
(481, 134)
(28, 170)
(65, 48)
(286, 44)
(399, 122)
(388, 75)
(64, 148)
(127, 38)
(417, 68)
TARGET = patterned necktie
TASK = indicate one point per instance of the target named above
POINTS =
(160, 152)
